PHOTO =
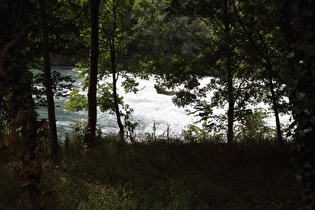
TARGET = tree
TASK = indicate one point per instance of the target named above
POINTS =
(66, 46)
(263, 36)
(48, 83)
(112, 37)
(92, 86)
(228, 25)
(235, 45)
(118, 18)
(219, 57)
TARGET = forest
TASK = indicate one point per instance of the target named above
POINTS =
(249, 52)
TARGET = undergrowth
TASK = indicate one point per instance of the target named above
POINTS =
(166, 175)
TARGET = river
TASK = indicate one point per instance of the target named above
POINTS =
(149, 107)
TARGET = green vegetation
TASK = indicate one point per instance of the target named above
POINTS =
(166, 175)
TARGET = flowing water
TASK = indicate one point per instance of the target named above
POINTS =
(150, 109)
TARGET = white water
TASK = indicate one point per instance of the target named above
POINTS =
(149, 108)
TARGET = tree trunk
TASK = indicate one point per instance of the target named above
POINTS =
(228, 48)
(54, 156)
(92, 88)
(114, 61)
(275, 107)
(231, 103)
(120, 125)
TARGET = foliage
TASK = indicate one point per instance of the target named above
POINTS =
(61, 84)
(231, 41)
(105, 98)
(253, 127)
(67, 24)
(194, 133)
(76, 101)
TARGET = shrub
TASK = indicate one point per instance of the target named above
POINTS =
(252, 127)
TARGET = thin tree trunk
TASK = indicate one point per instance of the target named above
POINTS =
(54, 156)
(113, 61)
(231, 103)
(120, 125)
(275, 107)
(114, 73)
(92, 88)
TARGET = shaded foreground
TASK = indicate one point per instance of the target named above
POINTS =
(163, 175)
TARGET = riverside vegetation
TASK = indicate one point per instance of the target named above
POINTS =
(160, 174)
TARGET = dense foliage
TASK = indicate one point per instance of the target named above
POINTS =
(300, 34)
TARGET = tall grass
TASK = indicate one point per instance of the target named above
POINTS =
(166, 175)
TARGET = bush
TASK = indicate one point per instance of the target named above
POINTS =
(253, 129)
(195, 134)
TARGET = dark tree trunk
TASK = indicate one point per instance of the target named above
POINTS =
(120, 125)
(275, 107)
(229, 69)
(92, 88)
(231, 103)
(54, 156)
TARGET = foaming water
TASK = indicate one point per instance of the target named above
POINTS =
(150, 109)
